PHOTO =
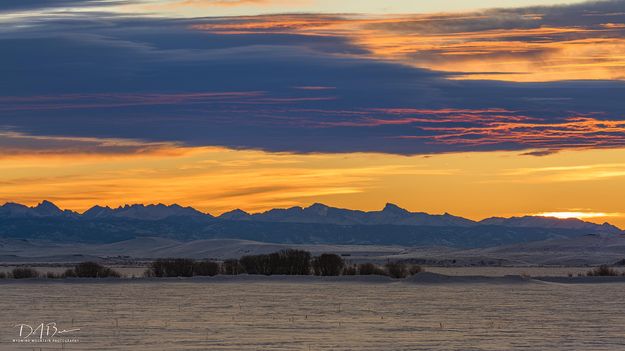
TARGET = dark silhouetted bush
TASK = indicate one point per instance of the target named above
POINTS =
(181, 267)
(52, 275)
(91, 270)
(328, 265)
(171, 267)
(3, 275)
(414, 269)
(370, 269)
(295, 262)
(232, 267)
(396, 270)
(289, 262)
(256, 264)
(602, 271)
(205, 268)
(24, 273)
(350, 270)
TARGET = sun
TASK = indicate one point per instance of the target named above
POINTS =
(579, 215)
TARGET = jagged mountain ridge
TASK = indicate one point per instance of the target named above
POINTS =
(320, 213)
(547, 222)
(317, 213)
(43, 209)
(143, 212)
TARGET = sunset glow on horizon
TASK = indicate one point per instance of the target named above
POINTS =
(578, 215)
(216, 180)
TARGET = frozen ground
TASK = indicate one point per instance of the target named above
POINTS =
(129, 271)
(307, 314)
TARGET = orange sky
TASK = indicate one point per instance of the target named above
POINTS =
(474, 185)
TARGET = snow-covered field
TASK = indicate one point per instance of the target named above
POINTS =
(128, 271)
(586, 250)
(281, 313)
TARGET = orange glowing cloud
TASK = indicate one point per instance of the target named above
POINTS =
(533, 50)
(571, 132)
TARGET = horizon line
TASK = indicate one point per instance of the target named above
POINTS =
(582, 215)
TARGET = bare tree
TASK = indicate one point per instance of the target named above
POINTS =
(397, 270)
(328, 265)
(24, 273)
(92, 270)
(370, 269)
(205, 268)
(231, 267)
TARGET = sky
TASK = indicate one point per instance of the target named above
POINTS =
(476, 108)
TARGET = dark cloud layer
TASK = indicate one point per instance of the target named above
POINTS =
(161, 80)
(27, 5)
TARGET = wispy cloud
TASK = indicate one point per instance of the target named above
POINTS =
(222, 3)
(571, 132)
(19, 145)
(576, 173)
(527, 44)
(116, 100)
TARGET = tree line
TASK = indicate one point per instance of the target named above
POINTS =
(284, 262)
(81, 270)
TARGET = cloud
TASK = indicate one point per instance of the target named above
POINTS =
(584, 41)
(576, 173)
(117, 100)
(313, 83)
(29, 5)
(18, 145)
(223, 3)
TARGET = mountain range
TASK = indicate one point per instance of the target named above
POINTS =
(317, 223)
(317, 213)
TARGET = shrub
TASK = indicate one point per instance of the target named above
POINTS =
(92, 270)
(602, 271)
(205, 268)
(414, 269)
(289, 262)
(52, 275)
(171, 267)
(350, 270)
(181, 267)
(256, 264)
(69, 273)
(370, 269)
(231, 267)
(396, 270)
(328, 265)
(3, 275)
(24, 273)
